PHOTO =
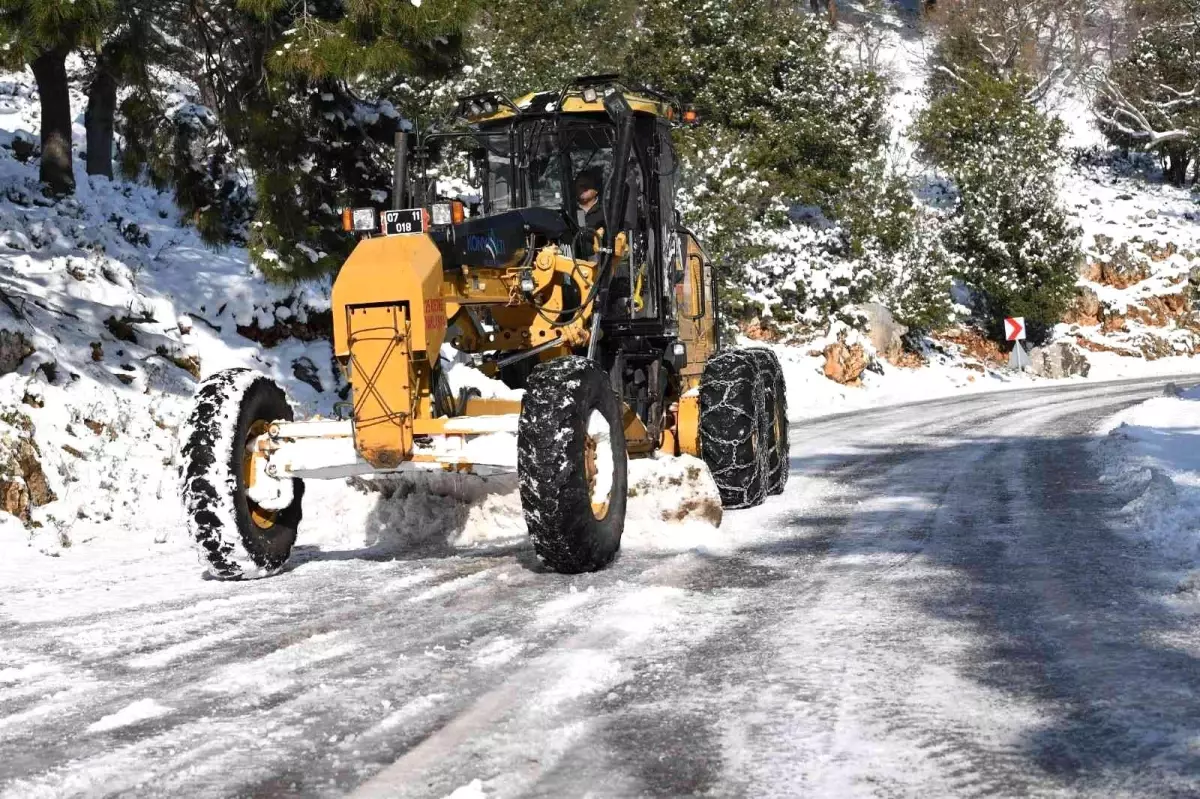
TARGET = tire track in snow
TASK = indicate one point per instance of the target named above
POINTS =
(966, 758)
(669, 729)
(675, 741)
(960, 758)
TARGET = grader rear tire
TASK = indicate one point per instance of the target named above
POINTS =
(572, 465)
(235, 538)
(775, 408)
(733, 427)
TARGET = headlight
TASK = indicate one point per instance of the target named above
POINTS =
(440, 214)
(364, 219)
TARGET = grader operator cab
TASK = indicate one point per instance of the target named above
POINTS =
(606, 318)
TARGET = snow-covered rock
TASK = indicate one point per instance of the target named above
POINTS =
(886, 334)
(1059, 360)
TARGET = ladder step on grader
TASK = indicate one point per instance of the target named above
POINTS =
(568, 274)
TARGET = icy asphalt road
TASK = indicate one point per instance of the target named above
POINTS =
(939, 606)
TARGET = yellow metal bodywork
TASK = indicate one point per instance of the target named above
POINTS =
(519, 323)
(394, 305)
(575, 104)
(688, 427)
(389, 319)
(697, 323)
(393, 270)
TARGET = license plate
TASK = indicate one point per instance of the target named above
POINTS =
(410, 220)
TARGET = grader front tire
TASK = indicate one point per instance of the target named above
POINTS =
(235, 538)
(572, 465)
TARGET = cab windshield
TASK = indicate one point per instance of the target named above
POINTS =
(520, 165)
(578, 147)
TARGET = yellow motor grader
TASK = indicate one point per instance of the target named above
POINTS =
(606, 317)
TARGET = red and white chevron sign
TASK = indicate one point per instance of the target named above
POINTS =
(1014, 328)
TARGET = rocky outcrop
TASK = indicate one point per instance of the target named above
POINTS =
(23, 484)
(24, 146)
(1119, 268)
(974, 344)
(14, 348)
(1087, 309)
(886, 334)
(316, 325)
(306, 371)
(1161, 310)
(845, 363)
(1121, 273)
(1057, 360)
(1153, 347)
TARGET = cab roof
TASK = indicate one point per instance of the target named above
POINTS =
(582, 96)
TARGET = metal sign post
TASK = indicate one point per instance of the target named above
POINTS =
(1019, 359)
(1014, 331)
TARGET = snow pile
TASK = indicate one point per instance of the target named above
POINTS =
(472, 790)
(462, 375)
(110, 311)
(673, 507)
(1151, 459)
(418, 512)
(135, 713)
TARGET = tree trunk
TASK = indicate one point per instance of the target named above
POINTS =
(50, 71)
(99, 117)
(832, 6)
(1178, 161)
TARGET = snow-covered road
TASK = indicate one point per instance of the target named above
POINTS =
(940, 605)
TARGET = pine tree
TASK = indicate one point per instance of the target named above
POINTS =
(1008, 234)
(42, 33)
(132, 42)
(317, 130)
(772, 75)
(537, 45)
(786, 120)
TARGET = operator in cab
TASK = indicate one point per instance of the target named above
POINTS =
(590, 213)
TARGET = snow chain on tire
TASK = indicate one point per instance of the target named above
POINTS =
(779, 448)
(568, 407)
(733, 427)
(232, 543)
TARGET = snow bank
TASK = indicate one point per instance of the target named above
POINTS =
(947, 372)
(124, 308)
(1150, 458)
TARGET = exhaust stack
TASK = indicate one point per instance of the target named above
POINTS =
(400, 176)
